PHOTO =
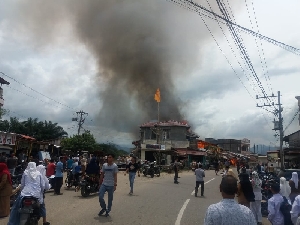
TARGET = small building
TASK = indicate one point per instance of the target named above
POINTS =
(231, 145)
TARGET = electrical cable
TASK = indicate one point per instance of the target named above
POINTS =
(37, 91)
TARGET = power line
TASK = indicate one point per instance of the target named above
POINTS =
(292, 120)
(38, 99)
(192, 6)
(37, 91)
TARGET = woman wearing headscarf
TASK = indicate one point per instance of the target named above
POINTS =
(256, 205)
(231, 173)
(245, 191)
(32, 184)
(42, 170)
(294, 184)
(285, 189)
(5, 190)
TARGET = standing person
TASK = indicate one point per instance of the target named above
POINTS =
(200, 174)
(33, 185)
(12, 163)
(132, 168)
(50, 168)
(216, 164)
(275, 216)
(5, 190)
(295, 212)
(256, 205)
(238, 167)
(285, 189)
(3, 158)
(258, 168)
(42, 170)
(58, 177)
(227, 211)
(70, 163)
(176, 167)
(108, 182)
(294, 184)
(245, 191)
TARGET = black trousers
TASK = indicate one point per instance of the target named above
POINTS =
(176, 176)
(57, 185)
(198, 183)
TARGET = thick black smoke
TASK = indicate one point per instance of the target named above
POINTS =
(140, 45)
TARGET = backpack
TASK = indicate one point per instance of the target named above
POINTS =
(285, 208)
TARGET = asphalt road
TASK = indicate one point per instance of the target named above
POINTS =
(155, 201)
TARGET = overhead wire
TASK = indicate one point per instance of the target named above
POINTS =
(36, 91)
(192, 7)
(291, 120)
(39, 99)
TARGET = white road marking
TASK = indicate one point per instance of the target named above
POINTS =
(180, 214)
(204, 183)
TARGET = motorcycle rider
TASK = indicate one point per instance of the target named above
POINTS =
(32, 184)
(92, 169)
(42, 170)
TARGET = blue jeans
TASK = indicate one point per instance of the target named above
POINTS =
(42, 210)
(14, 217)
(110, 193)
(131, 180)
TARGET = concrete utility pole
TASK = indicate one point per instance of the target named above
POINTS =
(277, 124)
(80, 118)
(298, 98)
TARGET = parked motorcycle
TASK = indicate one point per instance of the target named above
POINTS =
(88, 185)
(29, 211)
(148, 169)
(156, 169)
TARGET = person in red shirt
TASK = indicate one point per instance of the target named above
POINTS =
(50, 168)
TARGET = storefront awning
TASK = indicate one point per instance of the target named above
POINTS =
(182, 152)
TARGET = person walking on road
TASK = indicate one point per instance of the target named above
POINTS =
(256, 205)
(58, 177)
(200, 174)
(132, 168)
(228, 211)
(108, 183)
(216, 164)
(176, 165)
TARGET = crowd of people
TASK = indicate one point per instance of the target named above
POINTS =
(35, 181)
(283, 206)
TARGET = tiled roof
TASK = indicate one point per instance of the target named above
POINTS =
(170, 123)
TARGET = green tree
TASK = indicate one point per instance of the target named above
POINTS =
(83, 142)
(34, 128)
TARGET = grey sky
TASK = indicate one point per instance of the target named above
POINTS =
(60, 56)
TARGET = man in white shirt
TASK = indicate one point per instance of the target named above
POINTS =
(228, 211)
(275, 216)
